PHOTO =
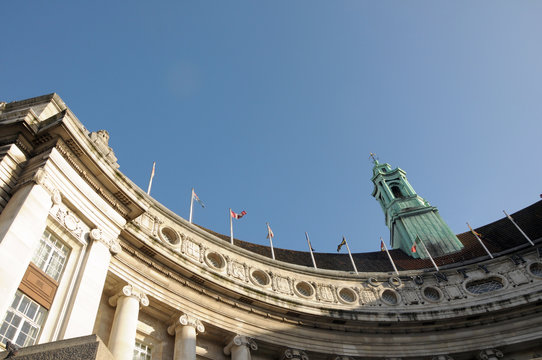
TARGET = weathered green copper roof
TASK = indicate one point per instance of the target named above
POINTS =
(409, 216)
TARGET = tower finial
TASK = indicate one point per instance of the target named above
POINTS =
(374, 157)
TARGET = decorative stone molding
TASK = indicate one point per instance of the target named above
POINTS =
(112, 244)
(69, 220)
(341, 357)
(56, 197)
(490, 354)
(294, 354)
(130, 291)
(240, 340)
(442, 357)
(186, 320)
(100, 139)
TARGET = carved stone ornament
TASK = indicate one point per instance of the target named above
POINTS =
(443, 357)
(187, 320)
(130, 291)
(112, 244)
(241, 340)
(341, 357)
(294, 354)
(57, 197)
(490, 354)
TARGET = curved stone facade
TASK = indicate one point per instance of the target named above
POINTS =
(135, 272)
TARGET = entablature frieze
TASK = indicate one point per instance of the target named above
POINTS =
(420, 292)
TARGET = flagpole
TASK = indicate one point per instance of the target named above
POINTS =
(150, 180)
(480, 241)
(231, 228)
(521, 231)
(310, 248)
(349, 253)
(427, 251)
(389, 255)
(270, 241)
(191, 205)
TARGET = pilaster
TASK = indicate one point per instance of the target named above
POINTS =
(22, 223)
(89, 288)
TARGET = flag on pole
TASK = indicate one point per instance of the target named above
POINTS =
(382, 245)
(270, 234)
(237, 216)
(413, 249)
(341, 244)
(349, 253)
(192, 198)
(197, 198)
(152, 175)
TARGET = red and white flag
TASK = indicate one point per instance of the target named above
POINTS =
(237, 216)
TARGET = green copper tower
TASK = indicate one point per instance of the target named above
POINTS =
(409, 216)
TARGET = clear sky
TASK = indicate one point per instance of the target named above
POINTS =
(273, 106)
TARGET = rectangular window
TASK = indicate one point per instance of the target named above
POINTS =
(51, 255)
(142, 352)
(23, 321)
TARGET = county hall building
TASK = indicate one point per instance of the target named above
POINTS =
(91, 267)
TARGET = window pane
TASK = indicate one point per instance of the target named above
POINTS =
(19, 325)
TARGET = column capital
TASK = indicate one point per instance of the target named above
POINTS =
(112, 244)
(240, 340)
(130, 291)
(294, 354)
(186, 320)
(490, 354)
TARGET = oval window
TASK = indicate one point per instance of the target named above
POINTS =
(215, 260)
(347, 295)
(390, 297)
(484, 285)
(304, 289)
(260, 277)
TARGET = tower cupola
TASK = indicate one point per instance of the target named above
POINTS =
(409, 216)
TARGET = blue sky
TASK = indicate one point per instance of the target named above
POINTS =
(273, 107)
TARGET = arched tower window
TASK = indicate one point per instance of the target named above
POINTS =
(397, 192)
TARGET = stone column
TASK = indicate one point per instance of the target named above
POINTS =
(294, 354)
(82, 314)
(490, 354)
(123, 332)
(185, 330)
(22, 223)
(239, 348)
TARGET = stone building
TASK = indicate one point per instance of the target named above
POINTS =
(85, 251)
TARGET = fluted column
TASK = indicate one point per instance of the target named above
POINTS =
(185, 330)
(22, 222)
(239, 348)
(490, 354)
(294, 354)
(123, 331)
(82, 314)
